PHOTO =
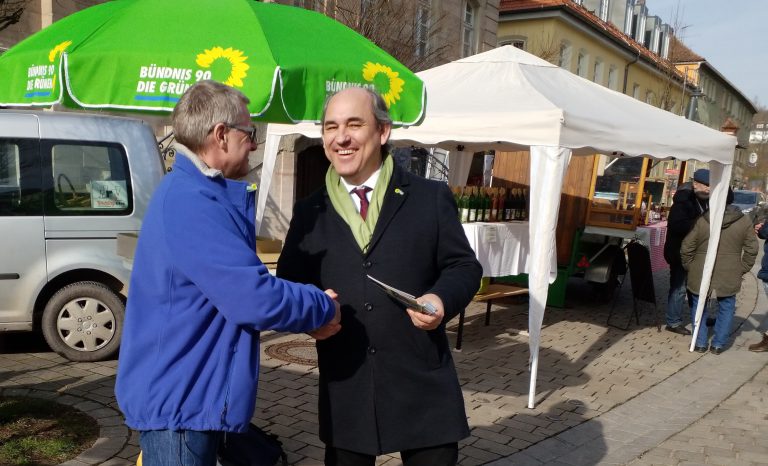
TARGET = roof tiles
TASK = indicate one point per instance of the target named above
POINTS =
(579, 11)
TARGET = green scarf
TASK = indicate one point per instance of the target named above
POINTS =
(342, 202)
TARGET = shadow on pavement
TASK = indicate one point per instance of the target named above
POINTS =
(22, 342)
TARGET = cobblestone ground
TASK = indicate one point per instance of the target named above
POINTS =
(733, 434)
(586, 369)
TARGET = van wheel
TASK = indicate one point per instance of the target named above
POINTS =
(83, 322)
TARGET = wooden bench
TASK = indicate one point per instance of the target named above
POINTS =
(490, 293)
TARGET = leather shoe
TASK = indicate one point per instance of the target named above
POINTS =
(716, 350)
(760, 347)
(680, 330)
(700, 349)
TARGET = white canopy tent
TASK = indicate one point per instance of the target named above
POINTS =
(507, 99)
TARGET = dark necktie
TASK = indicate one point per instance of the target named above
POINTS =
(361, 193)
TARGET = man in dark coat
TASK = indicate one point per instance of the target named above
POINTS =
(387, 378)
(688, 204)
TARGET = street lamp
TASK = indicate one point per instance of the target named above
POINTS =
(693, 103)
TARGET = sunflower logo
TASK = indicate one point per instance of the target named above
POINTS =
(58, 50)
(54, 54)
(384, 77)
(235, 59)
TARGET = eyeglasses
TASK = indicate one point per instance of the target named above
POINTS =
(249, 130)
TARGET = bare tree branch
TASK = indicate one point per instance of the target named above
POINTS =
(391, 25)
(10, 12)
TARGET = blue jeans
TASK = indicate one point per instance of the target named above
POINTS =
(179, 448)
(677, 295)
(726, 307)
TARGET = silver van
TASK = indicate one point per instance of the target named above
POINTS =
(69, 184)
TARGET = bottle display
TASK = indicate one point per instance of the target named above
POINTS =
(483, 204)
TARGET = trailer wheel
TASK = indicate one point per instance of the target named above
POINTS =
(83, 322)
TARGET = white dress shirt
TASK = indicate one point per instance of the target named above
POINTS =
(370, 183)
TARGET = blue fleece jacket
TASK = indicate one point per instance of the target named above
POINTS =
(762, 233)
(198, 296)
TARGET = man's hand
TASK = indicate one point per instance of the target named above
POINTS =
(758, 227)
(424, 321)
(334, 325)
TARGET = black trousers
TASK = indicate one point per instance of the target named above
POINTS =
(441, 455)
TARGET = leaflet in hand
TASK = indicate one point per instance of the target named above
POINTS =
(405, 299)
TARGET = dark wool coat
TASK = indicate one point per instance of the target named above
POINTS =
(686, 208)
(736, 252)
(386, 385)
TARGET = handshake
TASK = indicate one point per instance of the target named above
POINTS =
(331, 328)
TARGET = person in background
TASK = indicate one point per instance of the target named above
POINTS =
(736, 254)
(387, 379)
(762, 233)
(199, 295)
(688, 204)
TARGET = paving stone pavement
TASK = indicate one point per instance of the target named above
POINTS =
(604, 395)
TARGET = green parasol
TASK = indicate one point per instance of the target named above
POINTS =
(141, 55)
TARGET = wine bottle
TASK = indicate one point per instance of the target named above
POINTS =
(486, 205)
(464, 205)
(508, 205)
(502, 205)
(472, 205)
(524, 203)
(494, 205)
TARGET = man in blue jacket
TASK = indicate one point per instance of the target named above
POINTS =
(199, 295)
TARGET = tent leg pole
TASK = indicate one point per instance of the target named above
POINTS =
(532, 389)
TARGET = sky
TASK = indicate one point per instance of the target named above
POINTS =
(730, 35)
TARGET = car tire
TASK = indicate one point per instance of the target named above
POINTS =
(83, 322)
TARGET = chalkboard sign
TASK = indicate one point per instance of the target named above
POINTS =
(640, 273)
(641, 277)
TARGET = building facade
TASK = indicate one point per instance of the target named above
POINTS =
(617, 44)
(756, 174)
(39, 14)
(717, 104)
(420, 33)
(621, 45)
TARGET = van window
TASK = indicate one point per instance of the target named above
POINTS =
(20, 191)
(89, 179)
(745, 197)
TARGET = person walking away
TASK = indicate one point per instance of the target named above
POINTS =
(690, 201)
(762, 233)
(199, 295)
(387, 379)
(736, 255)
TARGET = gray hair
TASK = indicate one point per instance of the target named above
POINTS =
(201, 107)
(379, 109)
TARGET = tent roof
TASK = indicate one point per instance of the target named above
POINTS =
(510, 98)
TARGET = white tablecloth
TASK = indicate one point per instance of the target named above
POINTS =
(502, 248)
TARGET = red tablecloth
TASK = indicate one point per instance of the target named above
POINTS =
(654, 236)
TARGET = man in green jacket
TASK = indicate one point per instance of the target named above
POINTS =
(736, 255)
